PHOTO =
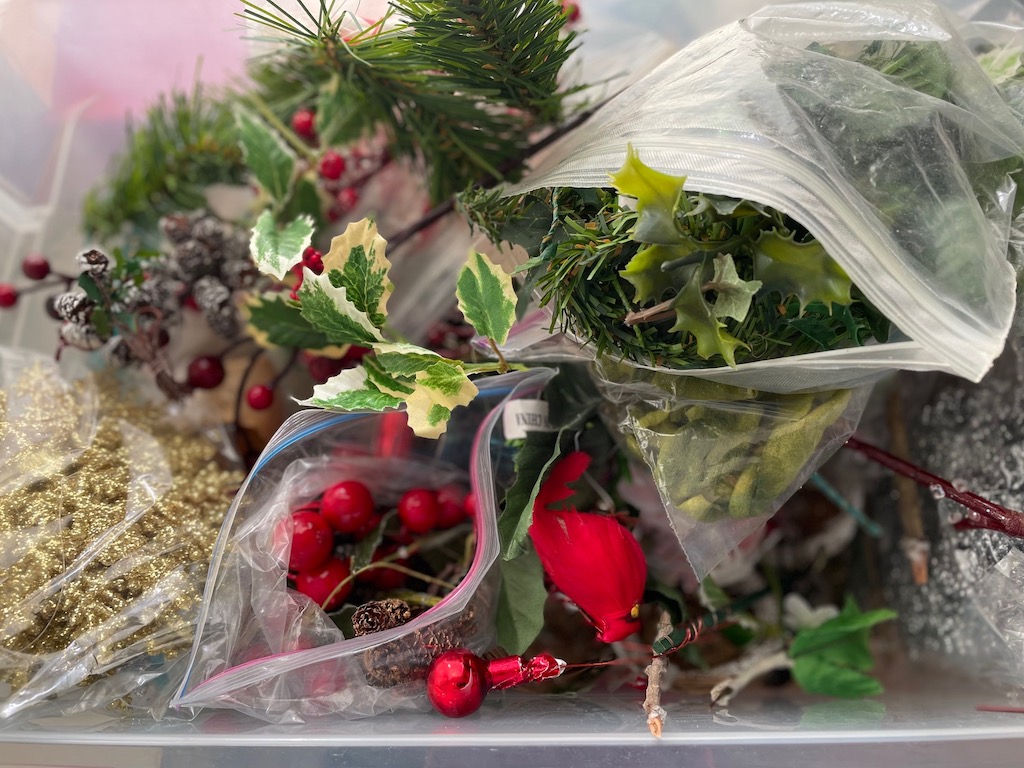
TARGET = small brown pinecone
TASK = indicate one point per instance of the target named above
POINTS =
(379, 615)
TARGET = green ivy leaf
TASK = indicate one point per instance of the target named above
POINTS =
(329, 310)
(275, 249)
(816, 675)
(695, 316)
(843, 639)
(439, 389)
(520, 614)
(486, 297)
(734, 293)
(356, 261)
(275, 321)
(804, 270)
(351, 390)
(271, 161)
(656, 195)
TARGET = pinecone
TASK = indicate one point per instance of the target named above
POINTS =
(407, 659)
(177, 227)
(210, 231)
(80, 336)
(194, 260)
(94, 262)
(73, 307)
(379, 615)
(214, 299)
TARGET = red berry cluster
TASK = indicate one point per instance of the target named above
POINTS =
(312, 260)
(342, 174)
(34, 267)
(323, 532)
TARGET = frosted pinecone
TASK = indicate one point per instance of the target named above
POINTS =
(94, 262)
(214, 299)
(74, 307)
(80, 336)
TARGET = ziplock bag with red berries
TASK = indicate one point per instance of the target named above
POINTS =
(354, 554)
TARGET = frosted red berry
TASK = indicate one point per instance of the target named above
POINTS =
(312, 542)
(304, 123)
(347, 506)
(8, 295)
(35, 267)
(259, 397)
(347, 198)
(319, 584)
(419, 510)
(206, 372)
(332, 165)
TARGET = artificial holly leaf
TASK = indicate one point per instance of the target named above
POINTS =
(520, 614)
(734, 293)
(271, 161)
(350, 390)
(356, 261)
(438, 390)
(645, 271)
(803, 270)
(816, 675)
(88, 284)
(404, 359)
(273, 320)
(275, 250)
(305, 199)
(486, 297)
(328, 309)
(529, 226)
(389, 383)
(656, 195)
(695, 316)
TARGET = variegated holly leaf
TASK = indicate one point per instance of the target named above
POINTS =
(486, 297)
(397, 385)
(656, 195)
(404, 359)
(694, 315)
(329, 310)
(439, 389)
(804, 270)
(351, 390)
(734, 293)
(277, 249)
(274, 321)
(356, 261)
(271, 161)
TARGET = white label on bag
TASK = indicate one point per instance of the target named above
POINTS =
(522, 416)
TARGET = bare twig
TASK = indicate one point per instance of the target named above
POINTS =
(655, 670)
(723, 692)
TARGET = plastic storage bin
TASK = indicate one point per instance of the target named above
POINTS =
(69, 72)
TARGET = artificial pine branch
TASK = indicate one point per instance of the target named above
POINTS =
(457, 86)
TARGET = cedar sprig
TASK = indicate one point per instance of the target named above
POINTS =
(459, 87)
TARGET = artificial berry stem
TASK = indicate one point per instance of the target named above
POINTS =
(983, 513)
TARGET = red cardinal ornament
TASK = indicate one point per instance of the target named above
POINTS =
(592, 559)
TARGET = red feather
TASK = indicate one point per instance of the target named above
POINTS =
(591, 558)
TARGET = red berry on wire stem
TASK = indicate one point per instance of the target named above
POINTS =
(347, 199)
(206, 372)
(320, 583)
(347, 506)
(259, 397)
(35, 267)
(419, 510)
(304, 124)
(312, 541)
(8, 295)
(332, 165)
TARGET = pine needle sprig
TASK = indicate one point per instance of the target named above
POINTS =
(186, 142)
(458, 87)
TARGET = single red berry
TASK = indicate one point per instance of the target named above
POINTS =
(470, 506)
(259, 397)
(51, 308)
(452, 502)
(35, 267)
(189, 302)
(304, 123)
(457, 683)
(347, 506)
(332, 165)
(571, 11)
(347, 199)
(354, 354)
(206, 372)
(312, 542)
(368, 527)
(334, 213)
(323, 368)
(419, 510)
(315, 264)
(8, 295)
(321, 583)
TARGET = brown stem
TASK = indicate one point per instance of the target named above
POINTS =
(654, 314)
(915, 545)
(982, 512)
(655, 670)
